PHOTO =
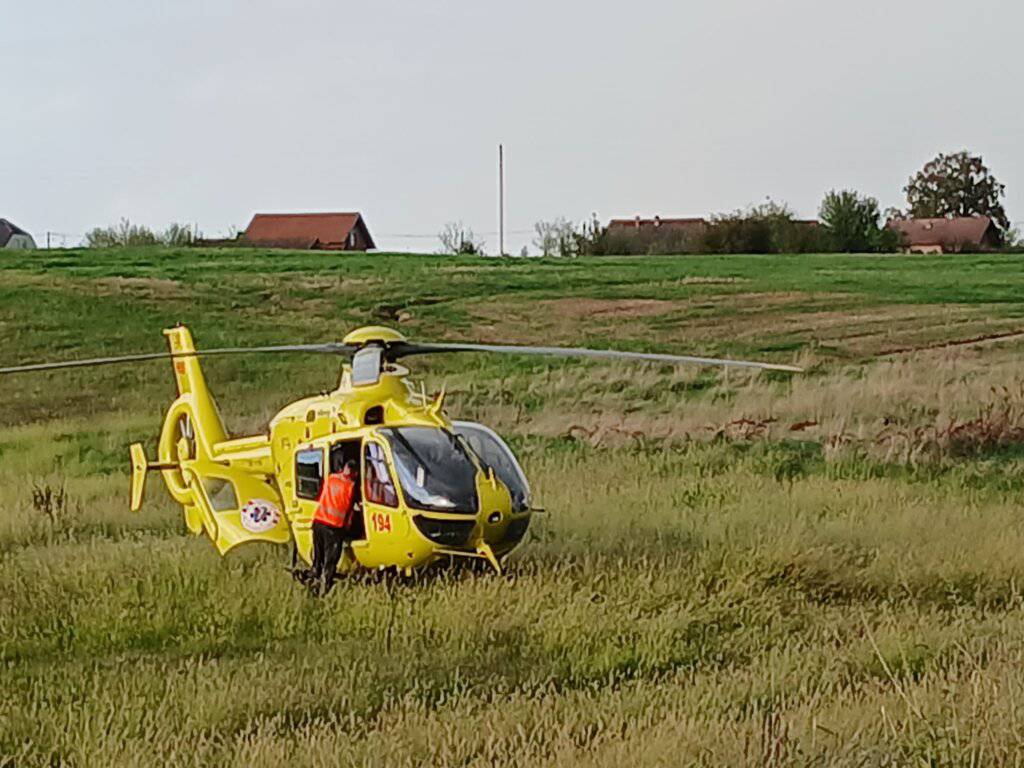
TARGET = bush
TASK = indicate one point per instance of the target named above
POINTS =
(662, 241)
(592, 238)
(457, 238)
(767, 228)
(125, 233)
(555, 238)
(852, 223)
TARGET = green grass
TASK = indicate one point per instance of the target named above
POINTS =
(709, 585)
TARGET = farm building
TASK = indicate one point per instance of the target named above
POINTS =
(14, 237)
(309, 231)
(683, 227)
(947, 235)
(655, 235)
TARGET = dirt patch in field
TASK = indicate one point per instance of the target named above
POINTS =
(836, 324)
(327, 282)
(462, 268)
(136, 287)
(695, 280)
(981, 340)
(624, 308)
(139, 287)
(702, 316)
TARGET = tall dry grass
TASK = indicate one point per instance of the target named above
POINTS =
(674, 606)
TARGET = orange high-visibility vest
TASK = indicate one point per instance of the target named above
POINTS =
(336, 502)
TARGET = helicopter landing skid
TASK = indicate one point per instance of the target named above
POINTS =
(483, 552)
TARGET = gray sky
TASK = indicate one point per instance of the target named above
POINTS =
(209, 111)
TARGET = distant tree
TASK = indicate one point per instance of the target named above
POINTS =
(120, 234)
(176, 234)
(892, 213)
(591, 239)
(956, 185)
(124, 233)
(851, 221)
(555, 237)
(457, 238)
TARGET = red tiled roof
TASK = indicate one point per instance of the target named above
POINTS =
(678, 223)
(301, 230)
(961, 230)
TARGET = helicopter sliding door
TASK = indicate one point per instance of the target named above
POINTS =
(341, 453)
(312, 465)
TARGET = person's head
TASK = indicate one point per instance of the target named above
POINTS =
(350, 469)
(337, 462)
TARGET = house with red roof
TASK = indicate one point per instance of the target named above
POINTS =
(947, 235)
(309, 231)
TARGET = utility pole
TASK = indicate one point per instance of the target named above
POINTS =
(501, 200)
(47, 241)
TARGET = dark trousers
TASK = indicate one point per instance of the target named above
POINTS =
(328, 544)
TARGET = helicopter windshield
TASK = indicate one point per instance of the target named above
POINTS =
(493, 452)
(434, 469)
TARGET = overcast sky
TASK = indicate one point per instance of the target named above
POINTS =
(207, 111)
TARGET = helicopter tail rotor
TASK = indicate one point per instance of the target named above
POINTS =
(141, 466)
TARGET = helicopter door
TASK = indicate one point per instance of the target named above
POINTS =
(341, 453)
(312, 465)
(235, 508)
(386, 525)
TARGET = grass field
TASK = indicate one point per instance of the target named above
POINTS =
(735, 568)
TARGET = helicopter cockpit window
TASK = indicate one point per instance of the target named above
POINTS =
(309, 473)
(434, 469)
(493, 452)
(378, 486)
(221, 494)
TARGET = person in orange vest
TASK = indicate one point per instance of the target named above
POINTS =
(332, 522)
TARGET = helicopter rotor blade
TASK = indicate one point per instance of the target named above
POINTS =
(405, 349)
(330, 349)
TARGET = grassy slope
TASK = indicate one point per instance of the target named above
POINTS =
(821, 596)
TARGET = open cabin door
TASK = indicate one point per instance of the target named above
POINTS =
(312, 465)
(232, 506)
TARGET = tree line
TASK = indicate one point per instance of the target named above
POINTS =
(957, 184)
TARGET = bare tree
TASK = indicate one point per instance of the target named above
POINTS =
(457, 238)
(555, 237)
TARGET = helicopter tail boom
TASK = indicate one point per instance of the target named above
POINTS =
(192, 388)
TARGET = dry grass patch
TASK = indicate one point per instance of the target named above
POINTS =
(580, 308)
(137, 287)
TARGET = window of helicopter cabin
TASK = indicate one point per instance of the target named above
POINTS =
(221, 494)
(434, 469)
(494, 452)
(309, 473)
(379, 487)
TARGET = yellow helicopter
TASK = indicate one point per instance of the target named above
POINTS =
(431, 488)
